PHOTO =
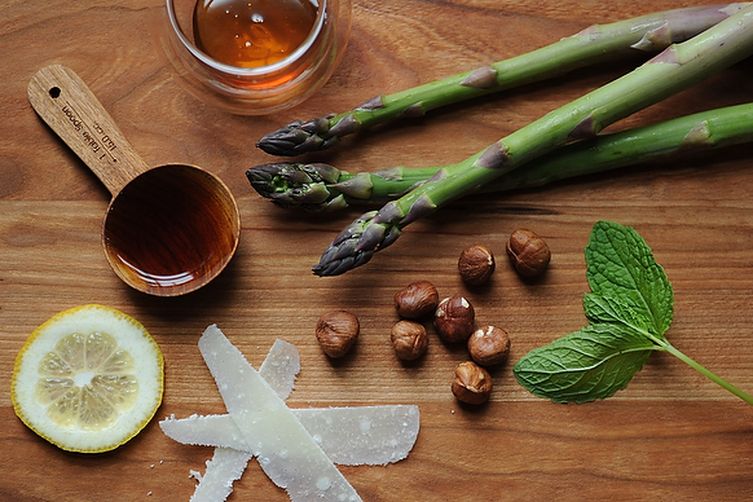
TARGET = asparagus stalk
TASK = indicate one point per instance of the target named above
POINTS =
(649, 33)
(676, 68)
(322, 187)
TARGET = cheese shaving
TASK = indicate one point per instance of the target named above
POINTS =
(366, 435)
(296, 448)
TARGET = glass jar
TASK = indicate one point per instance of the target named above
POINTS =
(264, 89)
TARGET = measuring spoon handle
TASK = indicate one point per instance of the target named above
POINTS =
(66, 104)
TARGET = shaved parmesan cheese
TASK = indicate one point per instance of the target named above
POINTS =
(205, 430)
(280, 368)
(262, 417)
(226, 466)
(364, 435)
(296, 448)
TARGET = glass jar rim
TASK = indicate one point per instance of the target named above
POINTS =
(250, 72)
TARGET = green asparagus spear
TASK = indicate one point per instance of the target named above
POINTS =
(649, 33)
(676, 68)
(322, 187)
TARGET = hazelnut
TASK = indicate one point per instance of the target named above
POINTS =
(476, 265)
(419, 299)
(528, 253)
(454, 319)
(472, 383)
(337, 332)
(489, 346)
(409, 340)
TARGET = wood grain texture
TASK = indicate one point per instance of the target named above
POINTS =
(670, 435)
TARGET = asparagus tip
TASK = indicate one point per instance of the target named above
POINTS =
(297, 138)
(293, 184)
(356, 245)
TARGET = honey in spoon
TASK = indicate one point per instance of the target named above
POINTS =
(252, 33)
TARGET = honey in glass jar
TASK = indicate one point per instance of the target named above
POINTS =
(252, 33)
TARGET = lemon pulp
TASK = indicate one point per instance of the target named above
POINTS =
(88, 380)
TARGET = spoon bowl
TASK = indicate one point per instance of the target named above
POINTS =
(171, 230)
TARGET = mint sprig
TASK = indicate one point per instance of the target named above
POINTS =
(629, 309)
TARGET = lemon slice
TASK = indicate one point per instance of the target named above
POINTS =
(88, 380)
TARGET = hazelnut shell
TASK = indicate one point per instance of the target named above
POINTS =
(454, 319)
(337, 332)
(416, 301)
(472, 383)
(489, 346)
(409, 339)
(528, 253)
(476, 265)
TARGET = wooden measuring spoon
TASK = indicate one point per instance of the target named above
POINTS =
(170, 229)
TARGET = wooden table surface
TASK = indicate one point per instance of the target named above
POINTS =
(670, 435)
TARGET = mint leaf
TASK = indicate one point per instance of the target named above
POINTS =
(607, 309)
(620, 266)
(589, 364)
(630, 308)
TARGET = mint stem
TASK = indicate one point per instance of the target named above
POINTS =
(707, 373)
